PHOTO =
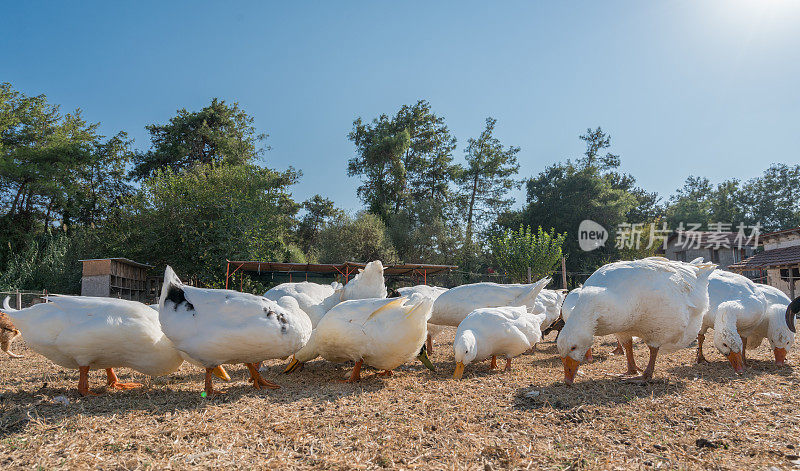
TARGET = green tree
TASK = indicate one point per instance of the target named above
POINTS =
(773, 200)
(565, 194)
(381, 166)
(422, 234)
(691, 203)
(196, 218)
(486, 179)
(319, 210)
(49, 262)
(102, 182)
(218, 133)
(400, 170)
(360, 239)
(701, 202)
(516, 251)
(56, 171)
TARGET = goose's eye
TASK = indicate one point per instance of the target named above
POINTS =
(725, 345)
(575, 347)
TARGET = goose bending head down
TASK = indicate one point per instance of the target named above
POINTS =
(737, 309)
(658, 300)
(382, 333)
(216, 326)
(778, 327)
(491, 332)
(89, 333)
(313, 298)
(432, 292)
(316, 299)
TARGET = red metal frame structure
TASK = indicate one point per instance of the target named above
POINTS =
(344, 269)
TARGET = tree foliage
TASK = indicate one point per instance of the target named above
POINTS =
(319, 210)
(199, 195)
(486, 179)
(514, 251)
(355, 239)
(565, 194)
(196, 218)
(405, 162)
(49, 262)
(56, 171)
(771, 200)
(217, 134)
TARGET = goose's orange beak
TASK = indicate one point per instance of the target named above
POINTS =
(570, 369)
(780, 355)
(736, 362)
(459, 370)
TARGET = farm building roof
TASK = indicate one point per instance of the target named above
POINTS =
(770, 235)
(775, 258)
(119, 259)
(335, 268)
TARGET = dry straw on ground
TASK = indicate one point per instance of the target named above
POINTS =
(689, 417)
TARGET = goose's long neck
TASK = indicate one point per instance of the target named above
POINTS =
(725, 322)
(309, 350)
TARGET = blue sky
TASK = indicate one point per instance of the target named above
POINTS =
(708, 88)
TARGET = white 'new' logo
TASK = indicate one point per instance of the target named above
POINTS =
(591, 235)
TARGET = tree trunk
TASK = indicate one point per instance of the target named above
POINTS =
(16, 198)
(470, 212)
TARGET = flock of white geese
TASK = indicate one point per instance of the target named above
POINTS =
(667, 304)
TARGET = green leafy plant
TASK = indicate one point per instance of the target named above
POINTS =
(514, 251)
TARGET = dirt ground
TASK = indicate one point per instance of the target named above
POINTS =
(689, 417)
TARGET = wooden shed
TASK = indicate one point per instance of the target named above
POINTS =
(115, 278)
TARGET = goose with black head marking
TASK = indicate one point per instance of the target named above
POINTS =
(216, 326)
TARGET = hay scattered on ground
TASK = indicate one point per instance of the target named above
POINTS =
(688, 417)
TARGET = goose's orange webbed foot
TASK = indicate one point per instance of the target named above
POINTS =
(356, 374)
(258, 381)
(83, 382)
(115, 383)
(209, 387)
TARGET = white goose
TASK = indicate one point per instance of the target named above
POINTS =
(367, 284)
(658, 300)
(490, 332)
(736, 309)
(777, 327)
(316, 300)
(549, 302)
(432, 292)
(88, 333)
(383, 333)
(216, 326)
(452, 306)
